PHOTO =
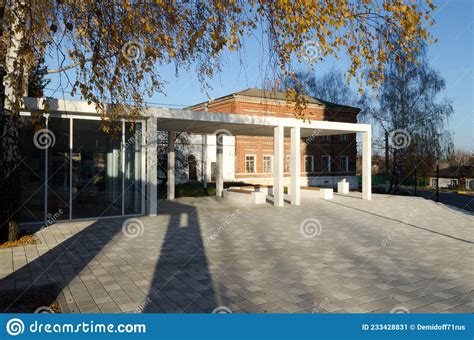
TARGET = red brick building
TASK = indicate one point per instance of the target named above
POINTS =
(324, 159)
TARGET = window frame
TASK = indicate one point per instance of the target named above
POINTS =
(346, 163)
(271, 164)
(312, 163)
(328, 169)
(254, 163)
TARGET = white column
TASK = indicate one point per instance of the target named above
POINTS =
(295, 166)
(152, 165)
(171, 167)
(367, 165)
(219, 164)
(204, 161)
(278, 138)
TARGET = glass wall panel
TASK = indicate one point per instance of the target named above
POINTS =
(31, 169)
(97, 176)
(58, 170)
(133, 166)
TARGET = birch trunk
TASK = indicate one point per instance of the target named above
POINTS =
(12, 96)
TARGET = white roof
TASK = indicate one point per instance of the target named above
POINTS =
(206, 122)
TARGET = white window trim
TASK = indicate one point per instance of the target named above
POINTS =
(347, 163)
(254, 163)
(322, 163)
(271, 164)
(312, 163)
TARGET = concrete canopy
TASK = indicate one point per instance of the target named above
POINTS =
(236, 124)
(200, 122)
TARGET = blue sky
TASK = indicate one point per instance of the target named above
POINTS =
(452, 56)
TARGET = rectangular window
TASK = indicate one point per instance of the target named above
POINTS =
(326, 163)
(344, 163)
(32, 171)
(267, 164)
(287, 163)
(97, 171)
(344, 138)
(133, 168)
(308, 163)
(326, 138)
(250, 164)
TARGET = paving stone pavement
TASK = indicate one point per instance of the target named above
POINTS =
(341, 256)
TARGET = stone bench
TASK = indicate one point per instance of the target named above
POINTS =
(324, 193)
(267, 189)
(245, 196)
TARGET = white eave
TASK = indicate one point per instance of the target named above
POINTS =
(200, 122)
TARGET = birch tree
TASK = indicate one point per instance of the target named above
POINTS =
(413, 115)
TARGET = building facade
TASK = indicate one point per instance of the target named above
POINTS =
(71, 169)
(325, 160)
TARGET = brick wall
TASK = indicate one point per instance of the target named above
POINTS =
(315, 146)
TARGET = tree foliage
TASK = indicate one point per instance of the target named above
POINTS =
(116, 47)
(413, 114)
(37, 81)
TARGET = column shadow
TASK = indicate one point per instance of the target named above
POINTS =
(182, 282)
(60, 265)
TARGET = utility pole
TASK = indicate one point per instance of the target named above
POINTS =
(437, 179)
(416, 182)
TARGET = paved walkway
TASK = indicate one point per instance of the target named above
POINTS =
(347, 255)
(465, 202)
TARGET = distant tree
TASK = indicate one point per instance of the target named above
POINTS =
(412, 116)
(331, 86)
(460, 157)
(182, 152)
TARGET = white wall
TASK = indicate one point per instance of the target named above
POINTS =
(443, 182)
(196, 148)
